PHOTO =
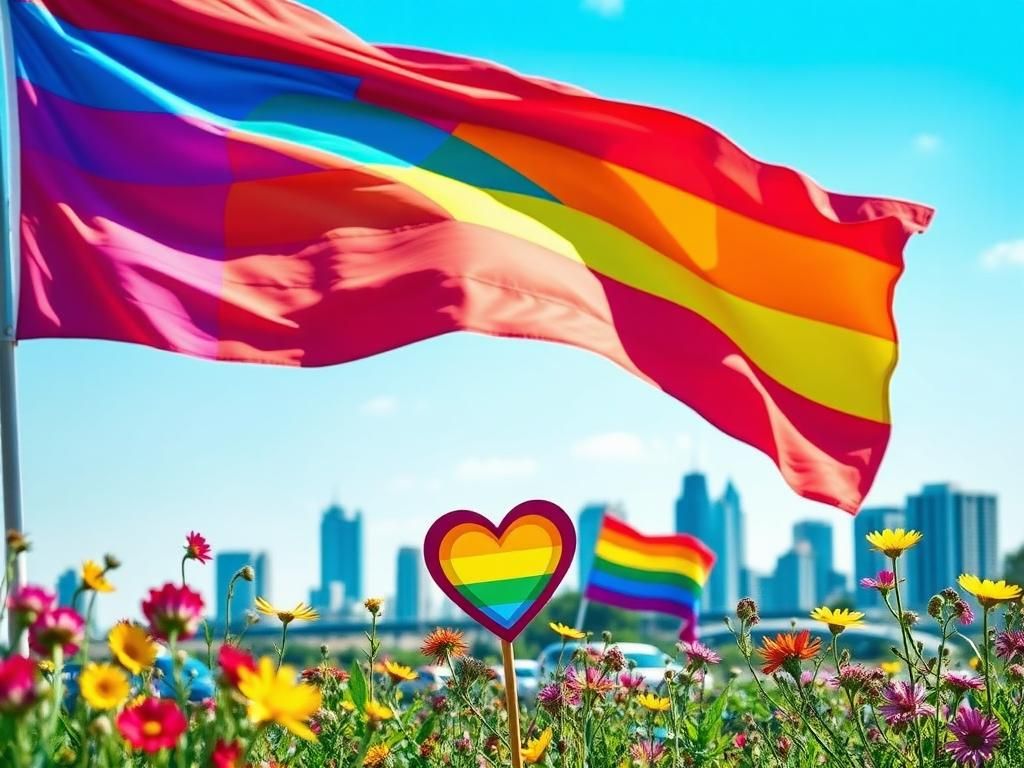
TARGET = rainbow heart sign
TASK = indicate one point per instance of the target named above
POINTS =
(501, 576)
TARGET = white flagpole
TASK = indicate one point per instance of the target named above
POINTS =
(581, 613)
(9, 250)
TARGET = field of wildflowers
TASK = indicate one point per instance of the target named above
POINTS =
(797, 701)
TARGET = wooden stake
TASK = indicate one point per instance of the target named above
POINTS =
(512, 703)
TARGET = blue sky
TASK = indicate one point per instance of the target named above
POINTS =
(125, 449)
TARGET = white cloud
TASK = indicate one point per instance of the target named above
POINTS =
(495, 467)
(607, 8)
(1009, 253)
(381, 405)
(926, 143)
(610, 446)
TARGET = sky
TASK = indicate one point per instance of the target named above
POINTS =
(125, 449)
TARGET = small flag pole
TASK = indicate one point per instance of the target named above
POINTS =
(9, 215)
(581, 612)
(512, 703)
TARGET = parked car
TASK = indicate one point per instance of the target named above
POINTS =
(527, 678)
(431, 679)
(649, 661)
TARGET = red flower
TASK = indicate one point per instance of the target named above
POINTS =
(17, 683)
(152, 725)
(226, 754)
(196, 548)
(232, 660)
(60, 627)
(173, 610)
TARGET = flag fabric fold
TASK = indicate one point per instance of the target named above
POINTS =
(246, 180)
(661, 574)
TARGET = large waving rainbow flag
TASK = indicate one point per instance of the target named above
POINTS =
(246, 180)
(662, 574)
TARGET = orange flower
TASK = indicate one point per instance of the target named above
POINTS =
(787, 651)
(442, 644)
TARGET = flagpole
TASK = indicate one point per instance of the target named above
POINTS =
(581, 612)
(10, 464)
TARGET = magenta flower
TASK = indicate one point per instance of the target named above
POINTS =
(196, 548)
(963, 612)
(904, 703)
(27, 603)
(1010, 645)
(977, 736)
(855, 678)
(17, 684)
(961, 682)
(555, 697)
(647, 753)
(60, 628)
(698, 654)
(173, 610)
(631, 681)
(883, 582)
(592, 680)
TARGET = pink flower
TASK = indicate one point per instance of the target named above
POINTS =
(152, 725)
(226, 754)
(173, 610)
(904, 703)
(698, 654)
(631, 681)
(977, 736)
(961, 682)
(647, 753)
(739, 740)
(60, 628)
(232, 660)
(17, 684)
(29, 601)
(553, 697)
(196, 548)
(1010, 645)
(883, 582)
(592, 680)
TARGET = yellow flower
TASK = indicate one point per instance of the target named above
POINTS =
(93, 577)
(132, 646)
(838, 619)
(46, 667)
(373, 605)
(566, 632)
(104, 686)
(348, 706)
(975, 662)
(989, 592)
(376, 712)
(300, 612)
(653, 703)
(398, 672)
(376, 755)
(534, 750)
(891, 668)
(893, 543)
(275, 697)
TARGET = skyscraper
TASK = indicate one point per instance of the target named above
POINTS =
(792, 585)
(720, 527)
(341, 559)
(960, 534)
(226, 565)
(587, 529)
(866, 561)
(818, 537)
(67, 583)
(410, 590)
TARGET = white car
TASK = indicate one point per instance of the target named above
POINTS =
(527, 678)
(431, 679)
(649, 662)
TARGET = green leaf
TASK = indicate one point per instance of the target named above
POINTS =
(425, 728)
(357, 685)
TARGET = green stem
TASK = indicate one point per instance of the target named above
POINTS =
(988, 671)
(58, 690)
(854, 712)
(280, 653)
(938, 686)
(183, 561)
(907, 643)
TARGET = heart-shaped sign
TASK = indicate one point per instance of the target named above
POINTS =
(501, 576)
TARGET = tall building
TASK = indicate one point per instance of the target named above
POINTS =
(341, 560)
(720, 526)
(792, 584)
(411, 586)
(226, 565)
(817, 536)
(587, 529)
(866, 561)
(960, 536)
(67, 584)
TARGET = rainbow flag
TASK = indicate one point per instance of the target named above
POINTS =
(246, 180)
(663, 574)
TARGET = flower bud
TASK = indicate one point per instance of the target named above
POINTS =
(17, 542)
(101, 726)
(247, 572)
(935, 606)
(324, 651)
(606, 636)
(910, 618)
(111, 562)
(373, 605)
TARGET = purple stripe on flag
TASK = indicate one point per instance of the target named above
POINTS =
(634, 603)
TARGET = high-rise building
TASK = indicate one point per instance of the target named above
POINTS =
(720, 527)
(411, 588)
(866, 561)
(226, 565)
(341, 560)
(587, 529)
(792, 585)
(817, 535)
(960, 536)
(67, 584)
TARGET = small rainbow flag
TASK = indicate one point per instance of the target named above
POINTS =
(665, 574)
